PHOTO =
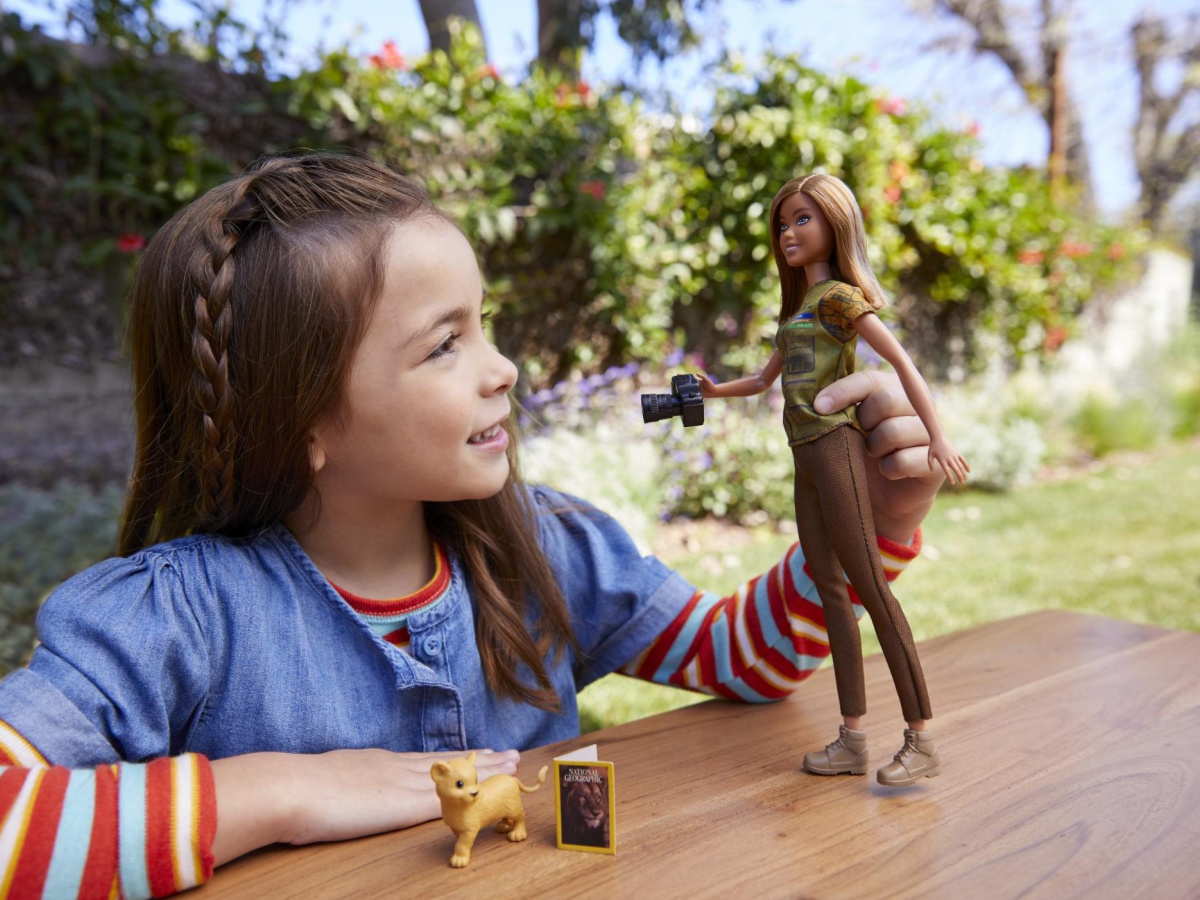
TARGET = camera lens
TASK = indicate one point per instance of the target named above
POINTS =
(656, 407)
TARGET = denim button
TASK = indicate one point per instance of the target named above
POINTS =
(433, 646)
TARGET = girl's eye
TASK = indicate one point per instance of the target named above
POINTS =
(802, 220)
(446, 347)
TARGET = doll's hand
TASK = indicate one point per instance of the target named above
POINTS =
(900, 475)
(707, 387)
(344, 794)
(943, 453)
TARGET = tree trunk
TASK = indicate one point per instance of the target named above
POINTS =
(1166, 157)
(437, 14)
(560, 34)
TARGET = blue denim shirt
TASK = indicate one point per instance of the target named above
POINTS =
(222, 647)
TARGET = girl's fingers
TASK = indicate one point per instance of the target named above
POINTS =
(896, 433)
(886, 400)
(910, 462)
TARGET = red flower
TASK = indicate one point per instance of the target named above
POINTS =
(892, 193)
(1074, 249)
(1054, 338)
(973, 130)
(1031, 257)
(893, 106)
(389, 58)
(1116, 251)
(595, 189)
(488, 71)
(130, 243)
(584, 90)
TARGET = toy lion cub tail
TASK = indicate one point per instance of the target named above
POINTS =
(541, 778)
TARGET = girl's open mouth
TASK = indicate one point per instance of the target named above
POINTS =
(492, 437)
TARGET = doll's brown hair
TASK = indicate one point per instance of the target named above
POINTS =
(849, 261)
(245, 313)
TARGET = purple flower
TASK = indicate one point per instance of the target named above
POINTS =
(706, 461)
(674, 358)
(585, 388)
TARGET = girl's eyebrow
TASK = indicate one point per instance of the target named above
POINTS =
(456, 315)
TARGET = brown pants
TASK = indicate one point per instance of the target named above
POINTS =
(837, 531)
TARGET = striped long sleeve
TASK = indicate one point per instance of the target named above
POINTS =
(125, 830)
(759, 643)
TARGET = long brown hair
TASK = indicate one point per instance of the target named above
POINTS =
(245, 313)
(849, 260)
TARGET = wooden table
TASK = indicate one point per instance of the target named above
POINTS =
(1071, 768)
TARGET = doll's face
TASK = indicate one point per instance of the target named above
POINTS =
(803, 232)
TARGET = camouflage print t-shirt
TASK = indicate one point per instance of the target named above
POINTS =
(817, 347)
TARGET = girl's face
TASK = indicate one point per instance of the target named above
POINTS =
(803, 232)
(427, 394)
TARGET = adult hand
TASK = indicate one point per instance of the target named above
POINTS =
(900, 478)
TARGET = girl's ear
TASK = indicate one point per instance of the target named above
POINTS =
(316, 453)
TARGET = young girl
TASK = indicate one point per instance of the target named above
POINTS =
(829, 298)
(321, 423)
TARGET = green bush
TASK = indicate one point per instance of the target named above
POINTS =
(607, 233)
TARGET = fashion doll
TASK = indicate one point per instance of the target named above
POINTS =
(829, 298)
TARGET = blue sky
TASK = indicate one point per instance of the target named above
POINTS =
(882, 41)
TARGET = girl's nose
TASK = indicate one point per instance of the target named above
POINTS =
(502, 374)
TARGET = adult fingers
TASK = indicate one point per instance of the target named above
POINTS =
(910, 462)
(854, 388)
(896, 433)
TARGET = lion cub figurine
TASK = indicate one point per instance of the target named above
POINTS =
(468, 807)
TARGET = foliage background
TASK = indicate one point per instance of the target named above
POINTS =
(608, 232)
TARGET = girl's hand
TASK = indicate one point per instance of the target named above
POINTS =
(901, 477)
(951, 461)
(707, 387)
(345, 794)
(264, 798)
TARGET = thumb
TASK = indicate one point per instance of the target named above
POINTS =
(854, 388)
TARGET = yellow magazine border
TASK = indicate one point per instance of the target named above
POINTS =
(611, 850)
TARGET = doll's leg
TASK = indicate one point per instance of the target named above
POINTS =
(845, 642)
(848, 754)
(842, 484)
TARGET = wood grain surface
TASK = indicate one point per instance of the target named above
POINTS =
(1071, 768)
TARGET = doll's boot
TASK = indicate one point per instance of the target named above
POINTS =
(845, 756)
(917, 759)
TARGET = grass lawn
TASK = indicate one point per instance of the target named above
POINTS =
(1122, 540)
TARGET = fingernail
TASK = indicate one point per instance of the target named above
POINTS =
(489, 751)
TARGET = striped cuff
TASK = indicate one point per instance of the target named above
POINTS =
(16, 751)
(74, 832)
(168, 818)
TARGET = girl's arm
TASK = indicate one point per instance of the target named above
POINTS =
(744, 387)
(760, 642)
(148, 829)
(875, 333)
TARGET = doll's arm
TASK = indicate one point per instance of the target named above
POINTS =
(875, 333)
(744, 387)
(760, 642)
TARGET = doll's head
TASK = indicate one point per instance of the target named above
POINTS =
(848, 259)
(248, 315)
